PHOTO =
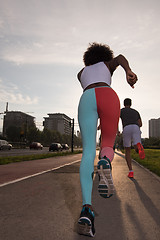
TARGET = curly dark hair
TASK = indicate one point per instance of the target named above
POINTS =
(97, 53)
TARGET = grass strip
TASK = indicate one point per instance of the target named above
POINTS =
(151, 161)
(12, 159)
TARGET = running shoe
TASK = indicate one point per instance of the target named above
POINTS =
(106, 187)
(86, 222)
(141, 151)
(131, 175)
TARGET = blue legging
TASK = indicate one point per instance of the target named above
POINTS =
(96, 103)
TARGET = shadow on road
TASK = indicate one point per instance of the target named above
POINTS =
(147, 203)
(120, 154)
(108, 216)
(70, 186)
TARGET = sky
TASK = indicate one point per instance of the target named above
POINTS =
(42, 45)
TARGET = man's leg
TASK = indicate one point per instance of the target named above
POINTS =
(128, 157)
(129, 161)
(137, 142)
(127, 137)
(136, 148)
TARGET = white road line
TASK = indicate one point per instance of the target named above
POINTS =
(37, 174)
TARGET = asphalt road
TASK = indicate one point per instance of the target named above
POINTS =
(47, 206)
(22, 152)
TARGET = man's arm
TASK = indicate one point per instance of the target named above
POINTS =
(139, 122)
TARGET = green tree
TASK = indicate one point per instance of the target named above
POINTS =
(33, 135)
(77, 141)
(13, 133)
(151, 142)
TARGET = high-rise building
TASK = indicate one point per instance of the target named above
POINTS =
(58, 122)
(154, 128)
(18, 119)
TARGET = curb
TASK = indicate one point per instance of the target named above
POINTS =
(146, 169)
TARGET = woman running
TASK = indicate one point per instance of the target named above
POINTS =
(98, 100)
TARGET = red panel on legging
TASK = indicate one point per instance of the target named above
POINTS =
(108, 108)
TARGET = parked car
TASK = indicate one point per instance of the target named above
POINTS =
(65, 146)
(36, 145)
(55, 147)
(5, 145)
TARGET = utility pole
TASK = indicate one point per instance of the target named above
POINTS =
(6, 107)
(72, 143)
(3, 113)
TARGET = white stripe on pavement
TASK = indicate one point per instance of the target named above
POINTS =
(36, 174)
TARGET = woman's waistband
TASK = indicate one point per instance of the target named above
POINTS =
(97, 85)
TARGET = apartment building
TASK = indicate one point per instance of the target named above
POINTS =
(154, 128)
(58, 122)
(17, 119)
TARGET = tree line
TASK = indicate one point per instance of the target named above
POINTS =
(152, 142)
(45, 137)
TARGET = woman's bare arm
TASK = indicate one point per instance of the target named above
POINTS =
(123, 62)
(79, 75)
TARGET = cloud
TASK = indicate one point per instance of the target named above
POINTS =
(38, 32)
(10, 93)
(46, 52)
(44, 37)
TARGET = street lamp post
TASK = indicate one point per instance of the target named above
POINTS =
(72, 142)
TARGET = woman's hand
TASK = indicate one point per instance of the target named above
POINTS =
(131, 78)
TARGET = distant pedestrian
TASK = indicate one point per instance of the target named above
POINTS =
(98, 100)
(131, 122)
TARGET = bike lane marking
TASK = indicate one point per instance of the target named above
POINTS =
(37, 174)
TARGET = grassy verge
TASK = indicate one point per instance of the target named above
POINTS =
(151, 161)
(12, 159)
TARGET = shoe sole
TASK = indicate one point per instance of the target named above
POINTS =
(130, 176)
(85, 227)
(106, 186)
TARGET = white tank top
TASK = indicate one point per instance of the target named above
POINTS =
(95, 73)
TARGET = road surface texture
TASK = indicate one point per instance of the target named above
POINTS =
(47, 206)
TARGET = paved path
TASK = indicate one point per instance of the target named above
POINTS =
(47, 206)
(20, 170)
